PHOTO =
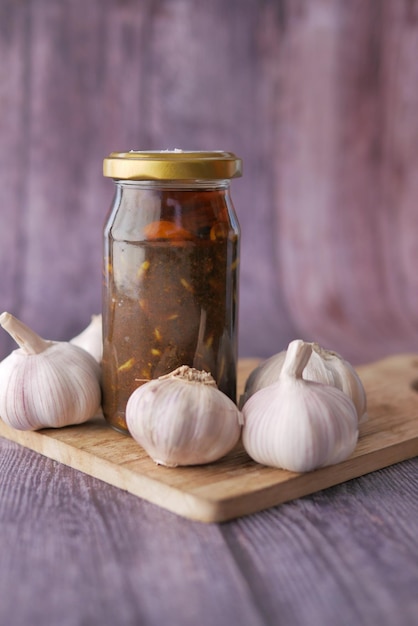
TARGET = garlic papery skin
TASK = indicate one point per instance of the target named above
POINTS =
(299, 425)
(324, 366)
(46, 384)
(183, 419)
(90, 339)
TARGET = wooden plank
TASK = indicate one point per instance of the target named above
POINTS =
(14, 127)
(237, 486)
(328, 141)
(346, 190)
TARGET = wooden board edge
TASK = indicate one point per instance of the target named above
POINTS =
(302, 485)
(175, 500)
(201, 508)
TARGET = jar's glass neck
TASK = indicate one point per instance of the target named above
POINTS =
(173, 184)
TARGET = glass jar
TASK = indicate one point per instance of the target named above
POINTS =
(171, 255)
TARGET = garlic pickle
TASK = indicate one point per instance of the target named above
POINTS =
(171, 263)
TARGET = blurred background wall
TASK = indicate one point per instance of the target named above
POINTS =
(318, 97)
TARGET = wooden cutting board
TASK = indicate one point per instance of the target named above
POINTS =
(237, 486)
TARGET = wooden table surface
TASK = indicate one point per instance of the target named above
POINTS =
(77, 551)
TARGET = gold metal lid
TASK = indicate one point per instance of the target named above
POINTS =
(172, 165)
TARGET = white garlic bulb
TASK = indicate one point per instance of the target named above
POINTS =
(324, 366)
(90, 338)
(183, 419)
(46, 384)
(296, 424)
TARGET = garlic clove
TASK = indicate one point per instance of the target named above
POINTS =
(343, 376)
(183, 419)
(296, 424)
(90, 339)
(324, 366)
(45, 383)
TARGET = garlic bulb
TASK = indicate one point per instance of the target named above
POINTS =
(46, 384)
(90, 338)
(183, 419)
(324, 366)
(296, 424)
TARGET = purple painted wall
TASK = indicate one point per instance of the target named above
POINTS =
(319, 98)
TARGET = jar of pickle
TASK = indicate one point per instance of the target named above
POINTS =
(171, 256)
